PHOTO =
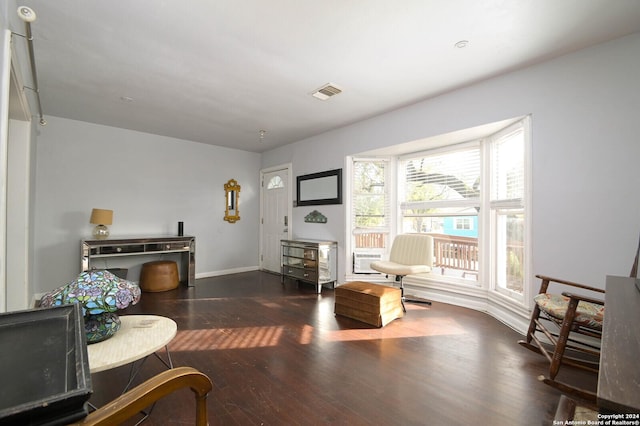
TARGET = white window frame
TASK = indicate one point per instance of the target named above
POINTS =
(520, 205)
(389, 232)
(462, 224)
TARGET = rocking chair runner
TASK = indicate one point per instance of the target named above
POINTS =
(572, 326)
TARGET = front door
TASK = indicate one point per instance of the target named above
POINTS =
(275, 220)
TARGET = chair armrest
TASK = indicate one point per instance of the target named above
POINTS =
(145, 394)
(569, 283)
(583, 298)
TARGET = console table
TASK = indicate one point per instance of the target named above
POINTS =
(114, 247)
(619, 376)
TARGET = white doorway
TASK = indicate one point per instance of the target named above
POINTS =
(17, 165)
(277, 208)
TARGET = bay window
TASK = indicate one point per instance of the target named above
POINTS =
(471, 197)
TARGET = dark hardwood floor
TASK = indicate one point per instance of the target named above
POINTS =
(277, 355)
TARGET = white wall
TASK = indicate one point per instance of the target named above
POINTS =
(586, 152)
(151, 182)
(586, 202)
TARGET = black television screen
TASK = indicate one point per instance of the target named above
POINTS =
(44, 366)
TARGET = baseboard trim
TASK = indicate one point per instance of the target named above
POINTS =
(227, 272)
(472, 297)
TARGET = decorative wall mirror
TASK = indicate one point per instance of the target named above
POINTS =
(320, 188)
(231, 196)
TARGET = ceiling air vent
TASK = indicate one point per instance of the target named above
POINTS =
(326, 91)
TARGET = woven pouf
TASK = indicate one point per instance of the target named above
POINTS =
(371, 303)
(161, 275)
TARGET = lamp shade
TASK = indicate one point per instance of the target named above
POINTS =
(101, 217)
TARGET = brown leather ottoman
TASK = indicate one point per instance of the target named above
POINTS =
(371, 303)
(161, 275)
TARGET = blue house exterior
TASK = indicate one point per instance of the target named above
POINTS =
(461, 226)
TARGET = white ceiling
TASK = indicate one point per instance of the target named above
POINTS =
(219, 71)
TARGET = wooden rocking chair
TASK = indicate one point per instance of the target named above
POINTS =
(566, 328)
(137, 399)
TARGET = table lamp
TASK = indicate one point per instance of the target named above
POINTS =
(101, 218)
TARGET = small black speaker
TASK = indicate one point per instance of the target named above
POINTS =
(180, 229)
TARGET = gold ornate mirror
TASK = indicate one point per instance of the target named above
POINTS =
(231, 196)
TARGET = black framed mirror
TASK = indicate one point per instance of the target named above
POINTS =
(319, 188)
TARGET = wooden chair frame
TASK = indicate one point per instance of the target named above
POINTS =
(559, 338)
(137, 399)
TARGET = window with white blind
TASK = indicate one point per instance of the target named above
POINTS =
(507, 210)
(440, 195)
(371, 216)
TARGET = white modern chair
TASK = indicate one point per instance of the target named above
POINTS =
(410, 254)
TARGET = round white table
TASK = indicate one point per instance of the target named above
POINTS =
(139, 336)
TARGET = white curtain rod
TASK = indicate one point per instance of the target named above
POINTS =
(28, 16)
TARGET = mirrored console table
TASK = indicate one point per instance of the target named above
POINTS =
(312, 261)
(93, 250)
